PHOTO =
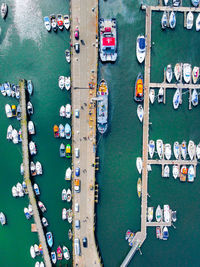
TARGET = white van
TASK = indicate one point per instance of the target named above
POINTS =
(77, 152)
(76, 207)
(77, 249)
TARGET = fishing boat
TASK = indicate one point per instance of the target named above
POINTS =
(168, 151)
(191, 173)
(47, 23)
(191, 149)
(198, 23)
(195, 3)
(62, 150)
(64, 195)
(195, 99)
(141, 48)
(44, 222)
(183, 150)
(18, 112)
(158, 232)
(195, 74)
(151, 148)
(36, 248)
(61, 82)
(176, 98)
(69, 195)
(15, 136)
(67, 83)
(159, 214)
(108, 40)
(36, 189)
(172, 20)
(67, 131)
(66, 22)
(198, 151)
(190, 19)
(14, 192)
(32, 148)
(70, 234)
(160, 148)
(152, 95)
(166, 213)
(161, 95)
(56, 131)
(68, 111)
(8, 111)
(4, 10)
(30, 87)
(102, 107)
(9, 132)
(150, 214)
(176, 149)
(61, 131)
(32, 168)
(53, 257)
(166, 171)
(31, 128)
(53, 22)
(29, 108)
(32, 252)
(68, 174)
(67, 55)
(68, 151)
(64, 214)
(66, 253)
(140, 112)
(139, 187)
(42, 206)
(38, 167)
(177, 71)
(169, 73)
(59, 253)
(174, 218)
(49, 238)
(183, 173)
(164, 20)
(62, 111)
(165, 233)
(2, 218)
(60, 21)
(139, 164)
(187, 72)
(139, 93)
(175, 171)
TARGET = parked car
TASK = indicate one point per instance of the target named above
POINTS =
(76, 33)
(77, 47)
(84, 242)
(77, 113)
(77, 172)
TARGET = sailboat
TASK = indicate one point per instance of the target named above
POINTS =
(177, 71)
(164, 20)
(139, 187)
(190, 19)
(139, 164)
(151, 148)
(176, 149)
(169, 73)
(166, 171)
(159, 214)
(191, 149)
(195, 98)
(195, 74)
(152, 95)
(160, 148)
(168, 151)
(140, 112)
(176, 98)
(172, 20)
(183, 150)
(175, 171)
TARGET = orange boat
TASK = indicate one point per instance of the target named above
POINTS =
(139, 90)
(183, 173)
(56, 131)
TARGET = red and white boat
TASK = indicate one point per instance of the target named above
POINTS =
(60, 21)
(59, 253)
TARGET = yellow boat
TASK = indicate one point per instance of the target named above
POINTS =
(139, 187)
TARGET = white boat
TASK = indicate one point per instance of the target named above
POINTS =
(64, 195)
(195, 99)
(191, 173)
(64, 214)
(36, 248)
(160, 95)
(175, 171)
(160, 148)
(69, 218)
(67, 83)
(14, 191)
(150, 214)
(183, 150)
(166, 171)
(32, 148)
(66, 22)
(166, 213)
(37, 264)
(2, 218)
(8, 111)
(68, 174)
(61, 82)
(139, 164)
(36, 189)
(140, 112)
(165, 233)
(195, 74)
(191, 149)
(176, 98)
(177, 71)
(32, 168)
(198, 23)
(195, 3)
(29, 108)
(38, 167)
(32, 252)
(9, 132)
(151, 148)
(69, 195)
(164, 20)
(15, 136)
(53, 22)
(30, 209)
(42, 264)
(67, 55)
(152, 95)
(166, 2)
(31, 128)
(21, 169)
(62, 131)
(190, 19)
(198, 151)
(8, 88)
(169, 73)
(68, 111)
(4, 10)
(176, 149)
(66, 253)
(47, 23)
(62, 111)
(20, 190)
(42, 207)
(168, 151)
(159, 214)
(45, 222)
(172, 20)
(187, 72)
(140, 48)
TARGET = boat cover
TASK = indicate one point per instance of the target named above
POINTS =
(108, 41)
(142, 43)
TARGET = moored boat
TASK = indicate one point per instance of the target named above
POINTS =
(169, 73)
(183, 150)
(56, 131)
(9, 132)
(159, 214)
(31, 128)
(44, 222)
(198, 151)
(49, 238)
(59, 253)
(198, 23)
(62, 111)
(176, 149)
(36, 248)
(15, 136)
(61, 82)
(66, 22)
(36, 189)
(141, 48)
(166, 171)
(183, 173)
(140, 112)
(67, 131)
(64, 214)
(191, 173)
(195, 74)
(139, 187)
(150, 214)
(177, 71)
(139, 164)
(176, 98)
(53, 22)
(195, 99)
(175, 171)
(139, 90)
(187, 72)
(168, 151)
(195, 3)
(60, 21)
(158, 232)
(67, 83)
(29, 108)
(32, 252)
(4, 10)
(128, 234)
(166, 213)
(172, 20)
(68, 174)
(70, 234)
(151, 148)
(66, 253)
(62, 150)
(152, 95)
(41, 206)
(38, 167)
(190, 19)
(67, 55)
(32, 148)
(8, 111)
(68, 151)
(68, 111)
(64, 194)
(174, 218)
(53, 257)
(61, 131)
(191, 149)
(32, 168)
(161, 95)
(30, 87)
(164, 20)
(160, 148)
(165, 233)
(18, 112)
(2, 218)
(14, 191)
(69, 195)
(47, 23)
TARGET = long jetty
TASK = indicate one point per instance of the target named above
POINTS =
(27, 180)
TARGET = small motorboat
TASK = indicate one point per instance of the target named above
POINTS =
(69, 195)
(176, 149)
(166, 171)
(195, 74)
(140, 48)
(8, 88)
(174, 218)
(68, 174)
(139, 187)
(4, 10)
(27, 214)
(66, 253)
(175, 171)
(172, 20)
(161, 95)
(68, 111)
(36, 189)
(24, 186)
(30, 209)
(17, 93)
(195, 99)
(15, 136)
(14, 191)
(3, 91)
(158, 232)
(187, 72)
(152, 95)
(69, 215)
(8, 111)
(44, 222)
(29, 108)
(195, 3)
(20, 190)
(164, 20)
(198, 151)
(60, 21)
(191, 173)
(66, 22)
(21, 169)
(139, 89)
(168, 151)
(53, 22)
(59, 253)
(32, 252)
(159, 214)
(140, 112)
(62, 111)
(30, 87)
(70, 234)
(183, 150)
(36, 248)
(68, 131)
(47, 23)
(38, 167)
(53, 257)
(2, 218)
(198, 23)
(64, 195)
(128, 234)
(169, 73)
(166, 2)
(176, 98)
(67, 83)
(37, 264)
(160, 148)
(56, 131)
(42, 206)
(150, 214)
(191, 149)
(14, 110)
(62, 150)
(190, 20)
(165, 233)
(183, 173)
(61, 82)
(139, 164)
(151, 148)
(32, 168)
(61, 131)
(32, 148)
(18, 112)
(177, 71)
(13, 90)
(68, 151)
(64, 214)
(67, 55)
(49, 238)
(31, 128)
(9, 132)
(166, 213)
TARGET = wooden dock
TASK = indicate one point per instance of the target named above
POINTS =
(25, 152)
(171, 8)
(175, 85)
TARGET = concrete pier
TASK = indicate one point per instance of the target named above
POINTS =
(25, 152)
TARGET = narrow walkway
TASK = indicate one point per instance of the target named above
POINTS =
(31, 194)
(175, 85)
(172, 8)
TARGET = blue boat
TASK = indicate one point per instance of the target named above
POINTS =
(62, 150)
(49, 237)
(165, 233)
(30, 87)
(68, 131)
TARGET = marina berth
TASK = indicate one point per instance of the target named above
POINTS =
(53, 22)
(140, 48)
(140, 112)
(139, 187)
(172, 20)
(139, 93)
(152, 95)
(151, 148)
(47, 23)
(67, 83)
(190, 19)
(160, 148)
(166, 171)
(61, 82)
(169, 73)
(139, 164)
(191, 173)
(68, 174)
(4, 10)
(175, 171)
(66, 22)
